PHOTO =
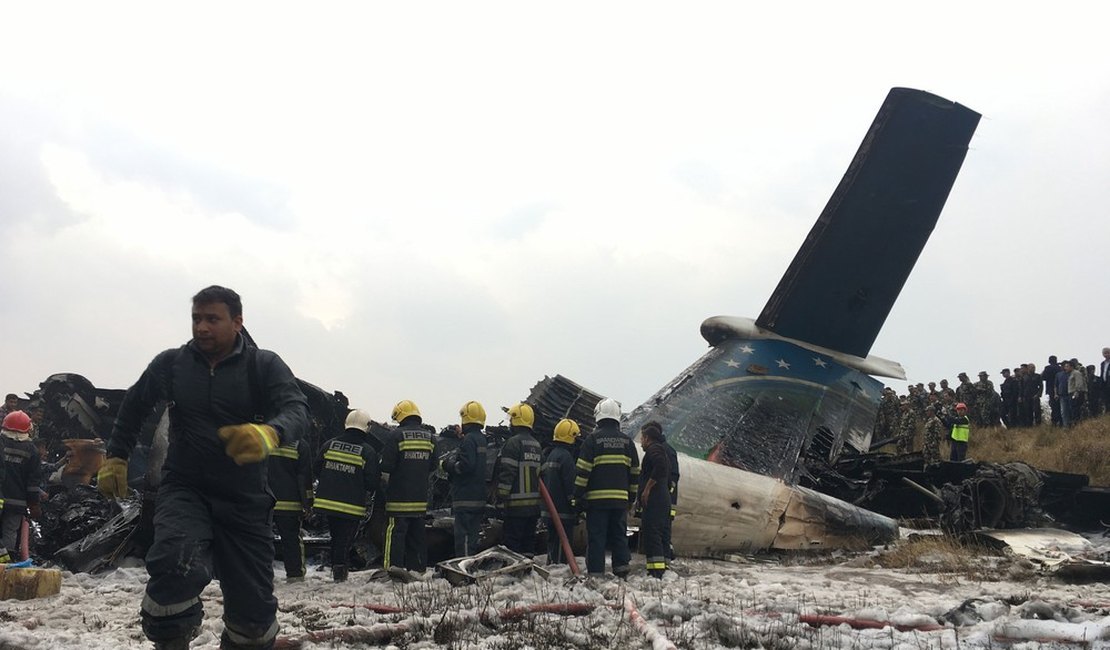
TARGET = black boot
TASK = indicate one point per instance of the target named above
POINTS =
(339, 572)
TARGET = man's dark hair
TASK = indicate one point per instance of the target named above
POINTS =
(1052, 359)
(10, 396)
(652, 431)
(216, 293)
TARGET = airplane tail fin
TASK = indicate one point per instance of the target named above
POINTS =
(845, 278)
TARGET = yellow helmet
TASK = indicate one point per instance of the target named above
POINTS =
(473, 413)
(522, 415)
(404, 409)
(567, 431)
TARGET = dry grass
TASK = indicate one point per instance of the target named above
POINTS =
(1079, 450)
(941, 554)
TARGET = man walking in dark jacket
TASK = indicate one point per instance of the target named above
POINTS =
(467, 472)
(558, 472)
(605, 486)
(518, 481)
(231, 405)
(349, 477)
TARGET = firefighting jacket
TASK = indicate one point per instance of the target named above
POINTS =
(467, 470)
(672, 483)
(518, 474)
(557, 472)
(205, 398)
(608, 469)
(290, 476)
(22, 472)
(349, 475)
(656, 466)
(406, 463)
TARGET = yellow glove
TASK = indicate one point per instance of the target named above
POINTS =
(111, 480)
(248, 443)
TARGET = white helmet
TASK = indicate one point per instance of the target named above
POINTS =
(358, 419)
(607, 409)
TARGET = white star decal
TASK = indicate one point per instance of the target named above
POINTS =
(747, 349)
(783, 364)
(818, 361)
(732, 363)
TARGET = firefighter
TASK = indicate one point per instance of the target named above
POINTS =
(557, 472)
(289, 469)
(232, 404)
(672, 488)
(349, 476)
(518, 477)
(654, 500)
(605, 486)
(406, 463)
(466, 469)
(20, 477)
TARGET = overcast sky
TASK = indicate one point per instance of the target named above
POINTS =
(445, 202)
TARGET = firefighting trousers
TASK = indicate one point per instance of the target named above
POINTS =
(201, 534)
(519, 534)
(652, 530)
(468, 525)
(405, 543)
(607, 529)
(292, 546)
(342, 531)
(555, 553)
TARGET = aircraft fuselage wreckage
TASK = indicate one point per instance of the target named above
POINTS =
(796, 382)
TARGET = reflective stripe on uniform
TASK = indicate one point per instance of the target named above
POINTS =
(344, 457)
(288, 506)
(404, 506)
(469, 504)
(242, 639)
(654, 563)
(339, 506)
(286, 452)
(162, 611)
(584, 465)
(607, 494)
(420, 445)
(612, 459)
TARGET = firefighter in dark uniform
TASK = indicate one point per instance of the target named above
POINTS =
(349, 477)
(672, 488)
(518, 481)
(466, 470)
(20, 478)
(654, 500)
(557, 473)
(608, 471)
(231, 405)
(5, 557)
(290, 476)
(406, 463)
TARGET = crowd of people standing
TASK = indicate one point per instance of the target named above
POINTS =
(1071, 391)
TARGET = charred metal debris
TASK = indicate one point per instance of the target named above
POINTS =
(83, 532)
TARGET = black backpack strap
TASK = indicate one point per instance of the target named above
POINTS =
(254, 383)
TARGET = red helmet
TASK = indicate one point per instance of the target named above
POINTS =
(961, 405)
(17, 421)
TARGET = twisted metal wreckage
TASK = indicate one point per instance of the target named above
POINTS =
(773, 424)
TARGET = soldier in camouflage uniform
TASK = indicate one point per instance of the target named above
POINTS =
(945, 391)
(934, 433)
(907, 428)
(987, 406)
(965, 393)
(886, 425)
